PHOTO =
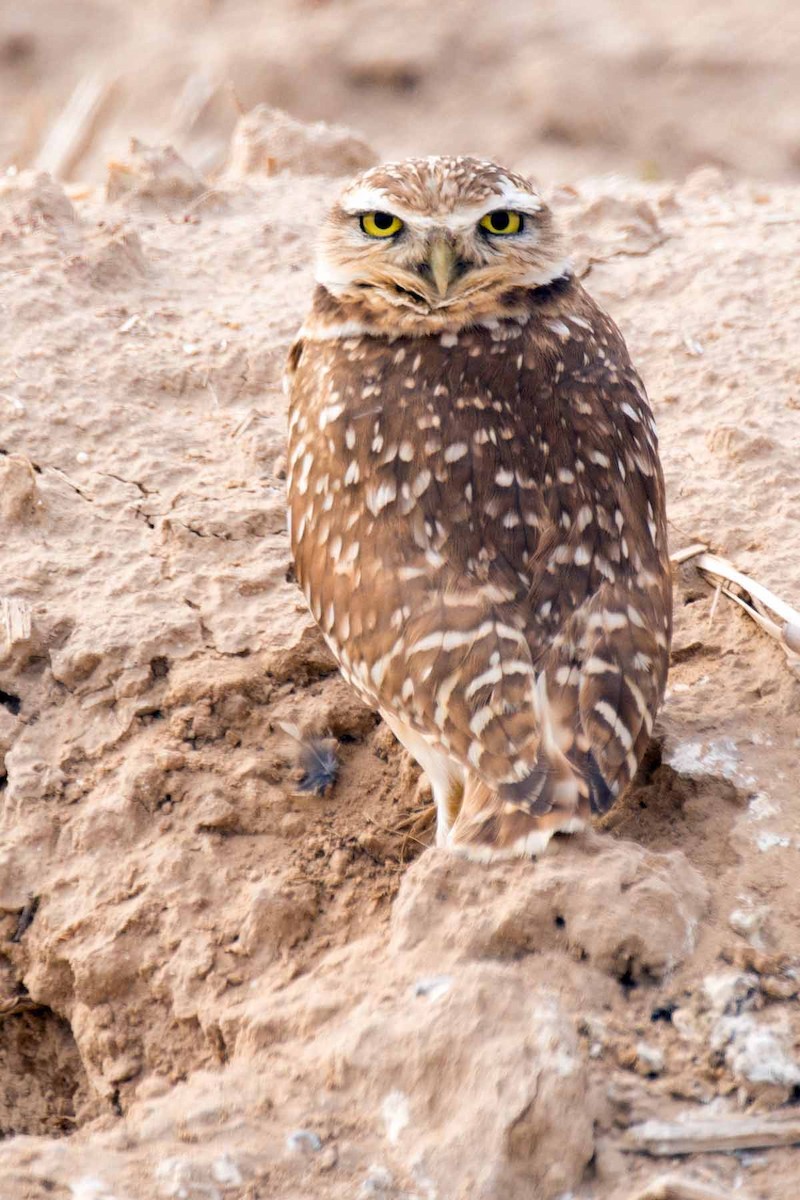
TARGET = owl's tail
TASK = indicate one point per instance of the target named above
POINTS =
(517, 820)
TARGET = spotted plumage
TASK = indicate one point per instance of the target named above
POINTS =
(476, 502)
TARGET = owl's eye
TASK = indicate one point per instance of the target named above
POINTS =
(380, 224)
(501, 222)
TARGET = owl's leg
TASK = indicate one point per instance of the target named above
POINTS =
(448, 805)
(445, 776)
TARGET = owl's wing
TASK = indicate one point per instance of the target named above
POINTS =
(607, 673)
(472, 538)
(567, 722)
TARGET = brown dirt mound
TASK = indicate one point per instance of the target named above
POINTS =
(231, 988)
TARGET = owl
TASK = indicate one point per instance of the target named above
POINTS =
(476, 505)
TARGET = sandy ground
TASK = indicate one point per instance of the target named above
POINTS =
(212, 985)
(215, 986)
(562, 87)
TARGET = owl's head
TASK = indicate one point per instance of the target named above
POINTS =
(436, 243)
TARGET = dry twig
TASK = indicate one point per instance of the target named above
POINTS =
(696, 1134)
(74, 127)
(15, 622)
(775, 616)
(670, 1187)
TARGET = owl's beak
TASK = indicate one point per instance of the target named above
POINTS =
(442, 261)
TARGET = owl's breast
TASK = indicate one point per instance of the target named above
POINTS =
(494, 456)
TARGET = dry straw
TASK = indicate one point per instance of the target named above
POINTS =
(775, 616)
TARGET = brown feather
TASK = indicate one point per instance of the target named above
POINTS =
(478, 525)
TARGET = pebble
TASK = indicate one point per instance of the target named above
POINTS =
(747, 922)
(328, 1159)
(378, 1182)
(649, 1059)
(293, 824)
(225, 1171)
(170, 760)
(340, 860)
(303, 1141)
(433, 987)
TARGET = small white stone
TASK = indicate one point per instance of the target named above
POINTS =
(649, 1059)
(378, 1182)
(749, 923)
(225, 1170)
(303, 1141)
(433, 987)
(769, 841)
(396, 1115)
(89, 1187)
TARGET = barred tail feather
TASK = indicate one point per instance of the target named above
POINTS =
(517, 820)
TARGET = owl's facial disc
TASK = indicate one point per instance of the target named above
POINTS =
(437, 242)
(429, 265)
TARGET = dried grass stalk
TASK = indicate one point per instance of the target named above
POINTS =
(75, 126)
(15, 622)
(775, 616)
(669, 1187)
(709, 1134)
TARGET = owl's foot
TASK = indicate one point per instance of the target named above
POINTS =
(417, 822)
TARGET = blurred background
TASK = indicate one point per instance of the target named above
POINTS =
(561, 88)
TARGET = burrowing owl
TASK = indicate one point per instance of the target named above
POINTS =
(476, 502)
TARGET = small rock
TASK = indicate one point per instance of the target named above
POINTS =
(225, 1171)
(111, 259)
(133, 682)
(651, 905)
(649, 1059)
(293, 824)
(184, 1179)
(215, 813)
(779, 989)
(338, 866)
(18, 490)
(730, 992)
(278, 917)
(749, 923)
(756, 1051)
(434, 987)
(378, 1182)
(267, 141)
(18, 636)
(395, 1115)
(703, 183)
(170, 760)
(154, 175)
(303, 1141)
(119, 1070)
(328, 1158)
(33, 199)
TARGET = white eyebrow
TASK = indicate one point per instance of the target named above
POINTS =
(368, 199)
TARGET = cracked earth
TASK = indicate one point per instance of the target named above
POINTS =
(216, 987)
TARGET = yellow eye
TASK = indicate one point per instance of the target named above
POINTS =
(502, 222)
(380, 224)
